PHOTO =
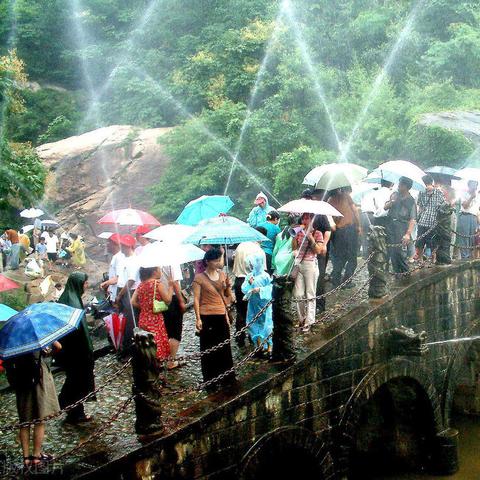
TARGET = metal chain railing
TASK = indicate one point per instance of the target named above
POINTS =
(68, 408)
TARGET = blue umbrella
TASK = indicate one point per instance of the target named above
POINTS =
(6, 312)
(36, 327)
(204, 207)
(224, 230)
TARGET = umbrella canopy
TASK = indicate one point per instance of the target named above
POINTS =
(105, 235)
(50, 224)
(7, 284)
(316, 207)
(160, 254)
(224, 230)
(129, 216)
(469, 173)
(444, 171)
(204, 207)
(36, 327)
(359, 192)
(27, 228)
(335, 175)
(172, 233)
(393, 170)
(31, 213)
(6, 312)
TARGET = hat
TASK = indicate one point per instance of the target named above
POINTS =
(261, 197)
(115, 238)
(141, 230)
(128, 240)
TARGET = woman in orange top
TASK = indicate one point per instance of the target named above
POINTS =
(212, 292)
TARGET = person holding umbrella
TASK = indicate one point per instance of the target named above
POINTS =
(307, 244)
(402, 212)
(76, 356)
(467, 220)
(25, 339)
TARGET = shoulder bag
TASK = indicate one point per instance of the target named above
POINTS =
(159, 306)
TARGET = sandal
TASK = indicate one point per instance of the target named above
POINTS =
(46, 457)
(27, 462)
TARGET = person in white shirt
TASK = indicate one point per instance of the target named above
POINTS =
(142, 241)
(467, 220)
(241, 270)
(380, 197)
(110, 285)
(128, 280)
(51, 240)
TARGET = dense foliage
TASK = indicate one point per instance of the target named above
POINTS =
(22, 174)
(196, 64)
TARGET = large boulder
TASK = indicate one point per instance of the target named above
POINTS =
(89, 174)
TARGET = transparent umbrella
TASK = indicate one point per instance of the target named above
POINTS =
(335, 175)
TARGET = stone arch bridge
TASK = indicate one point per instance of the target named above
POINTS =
(356, 399)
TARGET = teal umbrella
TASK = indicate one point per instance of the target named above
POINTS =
(224, 230)
(204, 207)
(6, 312)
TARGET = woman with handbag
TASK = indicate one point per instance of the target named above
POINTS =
(212, 295)
(307, 244)
(152, 298)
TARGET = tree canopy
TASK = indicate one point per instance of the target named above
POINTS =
(221, 70)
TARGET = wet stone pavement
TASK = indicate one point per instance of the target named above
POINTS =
(119, 437)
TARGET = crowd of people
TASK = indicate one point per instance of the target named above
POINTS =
(152, 298)
(43, 246)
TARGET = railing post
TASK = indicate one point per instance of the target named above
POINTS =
(377, 265)
(145, 367)
(283, 349)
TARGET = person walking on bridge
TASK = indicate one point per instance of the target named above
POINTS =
(212, 294)
(402, 212)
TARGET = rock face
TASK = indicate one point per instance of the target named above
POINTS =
(467, 123)
(90, 174)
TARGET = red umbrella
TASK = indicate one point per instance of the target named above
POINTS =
(7, 284)
(129, 216)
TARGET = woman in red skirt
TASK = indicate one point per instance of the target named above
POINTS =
(150, 288)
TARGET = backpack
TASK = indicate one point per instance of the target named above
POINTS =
(24, 372)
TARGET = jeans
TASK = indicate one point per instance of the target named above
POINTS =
(305, 291)
(398, 255)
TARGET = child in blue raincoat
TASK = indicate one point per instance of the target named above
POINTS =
(257, 288)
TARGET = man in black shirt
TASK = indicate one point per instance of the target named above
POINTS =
(402, 211)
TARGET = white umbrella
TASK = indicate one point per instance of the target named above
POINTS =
(316, 207)
(31, 213)
(393, 170)
(172, 233)
(27, 228)
(105, 235)
(50, 224)
(335, 175)
(469, 173)
(161, 254)
(359, 192)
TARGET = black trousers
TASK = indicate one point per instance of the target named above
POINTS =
(131, 315)
(241, 309)
(398, 255)
(322, 266)
(344, 253)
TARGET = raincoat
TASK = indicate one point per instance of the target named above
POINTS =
(283, 258)
(77, 250)
(76, 355)
(258, 215)
(262, 327)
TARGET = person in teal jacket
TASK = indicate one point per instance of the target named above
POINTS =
(258, 214)
(257, 288)
(272, 230)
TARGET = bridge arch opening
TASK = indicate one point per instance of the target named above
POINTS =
(394, 430)
(286, 453)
